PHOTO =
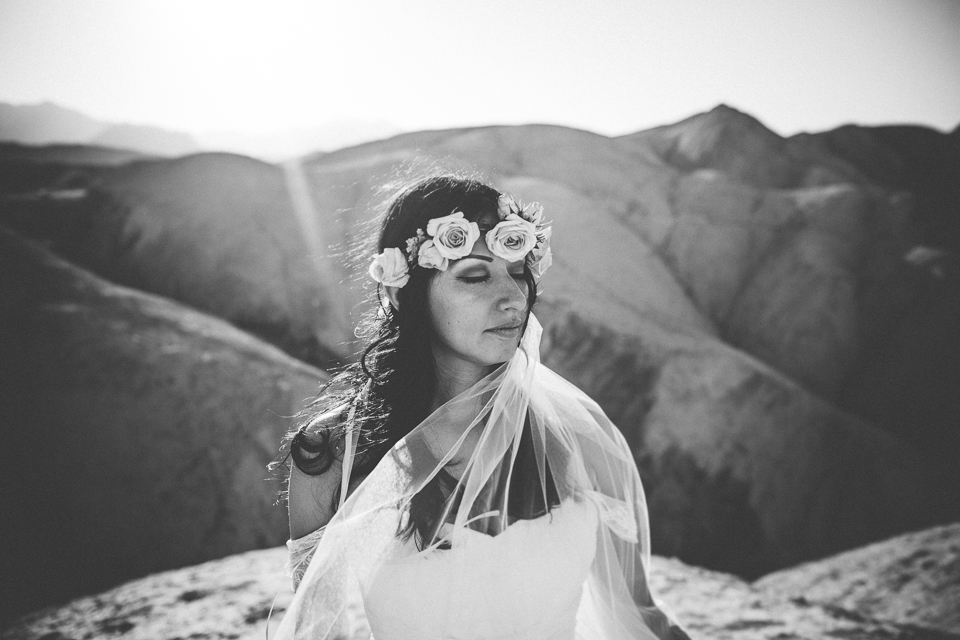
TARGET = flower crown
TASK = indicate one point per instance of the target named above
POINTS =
(520, 233)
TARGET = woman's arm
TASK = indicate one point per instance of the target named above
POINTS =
(310, 501)
(310, 506)
(310, 498)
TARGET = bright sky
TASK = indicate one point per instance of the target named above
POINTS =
(611, 66)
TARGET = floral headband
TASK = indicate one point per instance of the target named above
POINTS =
(520, 233)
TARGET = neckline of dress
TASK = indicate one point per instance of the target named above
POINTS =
(447, 530)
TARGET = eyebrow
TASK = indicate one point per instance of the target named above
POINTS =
(478, 257)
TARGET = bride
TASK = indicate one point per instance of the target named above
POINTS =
(456, 485)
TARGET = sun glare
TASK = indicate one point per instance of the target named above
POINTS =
(608, 66)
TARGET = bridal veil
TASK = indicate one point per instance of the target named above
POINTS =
(583, 479)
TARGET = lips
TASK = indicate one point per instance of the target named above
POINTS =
(508, 329)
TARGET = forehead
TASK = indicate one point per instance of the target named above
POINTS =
(480, 246)
(480, 249)
(486, 222)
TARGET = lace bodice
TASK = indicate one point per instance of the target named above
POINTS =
(300, 551)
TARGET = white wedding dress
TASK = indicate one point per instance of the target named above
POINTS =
(523, 584)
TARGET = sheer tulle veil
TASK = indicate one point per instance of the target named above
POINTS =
(579, 457)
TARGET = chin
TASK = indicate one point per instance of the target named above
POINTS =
(505, 356)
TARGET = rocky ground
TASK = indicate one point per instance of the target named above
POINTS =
(903, 588)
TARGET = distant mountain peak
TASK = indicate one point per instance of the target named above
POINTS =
(727, 140)
(724, 120)
(147, 138)
(47, 123)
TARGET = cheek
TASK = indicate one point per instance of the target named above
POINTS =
(442, 310)
(455, 313)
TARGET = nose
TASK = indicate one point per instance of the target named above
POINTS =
(513, 295)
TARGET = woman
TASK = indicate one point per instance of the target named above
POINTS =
(462, 487)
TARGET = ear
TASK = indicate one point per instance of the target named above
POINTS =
(393, 295)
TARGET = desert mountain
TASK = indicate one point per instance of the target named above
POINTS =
(770, 323)
(276, 146)
(880, 249)
(47, 123)
(217, 232)
(234, 597)
(153, 140)
(137, 431)
(919, 160)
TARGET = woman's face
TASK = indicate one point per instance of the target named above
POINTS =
(478, 306)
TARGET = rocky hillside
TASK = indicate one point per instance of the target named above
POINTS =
(911, 580)
(137, 431)
(772, 322)
(217, 232)
(233, 598)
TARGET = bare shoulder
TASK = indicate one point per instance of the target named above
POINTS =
(310, 499)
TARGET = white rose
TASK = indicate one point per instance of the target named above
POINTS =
(506, 205)
(429, 256)
(540, 263)
(541, 257)
(452, 235)
(512, 239)
(390, 268)
(533, 212)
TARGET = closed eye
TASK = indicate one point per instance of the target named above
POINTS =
(474, 279)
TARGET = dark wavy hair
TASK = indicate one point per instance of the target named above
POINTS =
(392, 385)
